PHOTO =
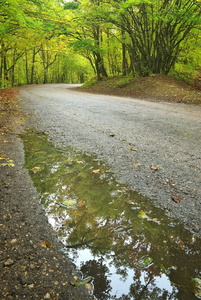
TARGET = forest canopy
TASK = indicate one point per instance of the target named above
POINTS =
(49, 41)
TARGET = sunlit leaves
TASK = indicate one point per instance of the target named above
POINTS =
(4, 162)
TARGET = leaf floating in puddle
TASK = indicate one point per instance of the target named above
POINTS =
(142, 215)
(96, 171)
(79, 283)
(69, 202)
(81, 203)
(197, 287)
(46, 244)
(145, 262)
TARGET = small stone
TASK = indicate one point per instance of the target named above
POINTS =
(30, 286)
(32, 266)
(75, 277)
(56, 282)
(47, 296)
(88, 287)
(13, 241)
(8, 262)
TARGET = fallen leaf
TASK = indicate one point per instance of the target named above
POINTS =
(46, 244)
(35, 169)
(176, 199)
(81, 203)
(133, 149)
(5, 141)
(142, 215)
(83, 282)
(79, 162)
(69, 202)
(9, 163)
(96, 171)
(154, 168)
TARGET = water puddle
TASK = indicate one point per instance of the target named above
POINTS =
(131, 248)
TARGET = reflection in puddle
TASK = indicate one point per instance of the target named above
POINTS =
(132, 250)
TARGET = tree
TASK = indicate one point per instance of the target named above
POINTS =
(88, 35)
(156, 30)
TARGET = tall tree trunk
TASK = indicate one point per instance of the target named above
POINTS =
(1, 68)
(100, 69)
(124, 62)
(99, 63)
(13, 69)
(5, 67)
(27, 69)
(32, 67)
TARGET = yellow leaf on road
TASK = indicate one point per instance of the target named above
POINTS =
(154, 168)
(46, 244)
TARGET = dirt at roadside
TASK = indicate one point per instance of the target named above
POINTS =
(156, 88)
(27, 270)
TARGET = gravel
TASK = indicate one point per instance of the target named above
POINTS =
(131, 136)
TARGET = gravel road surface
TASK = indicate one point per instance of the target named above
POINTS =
(131, 136)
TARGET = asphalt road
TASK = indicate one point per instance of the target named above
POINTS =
(131, 136)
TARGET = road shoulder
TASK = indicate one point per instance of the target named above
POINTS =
(28, 270)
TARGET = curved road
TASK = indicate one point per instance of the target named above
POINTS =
(166, 136)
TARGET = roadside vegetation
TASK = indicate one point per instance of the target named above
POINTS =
(69, 42)
(157, 87)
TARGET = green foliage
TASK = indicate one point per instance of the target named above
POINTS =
(123, 82)
(90, 82)
(188, 64)
(71, 5)
(136, 37)
(85, 44)
(156, 30)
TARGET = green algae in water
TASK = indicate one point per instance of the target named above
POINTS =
(197, 287)
(105, 229)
